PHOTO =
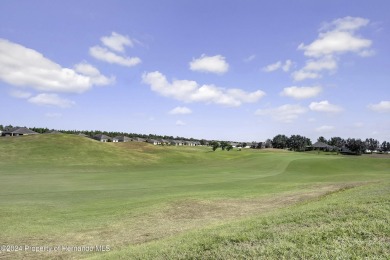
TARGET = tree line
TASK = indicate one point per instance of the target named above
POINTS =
(280, 141)
(355, 145)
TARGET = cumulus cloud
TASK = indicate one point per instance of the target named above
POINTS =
(335, 38)
(25, 67)
(383, 106)
(45, 99)
(286, 113)
(325, 129)
(106, 55)
(325, 106)
(278, 65)
(191, 91)
(300, 75)
(335, 42)
(117, 42)
(326, 63)
(114, 44)
(180, 111)
(94, 74)
(313, 68)
(301, 92)
(338, 37)
(213, 64)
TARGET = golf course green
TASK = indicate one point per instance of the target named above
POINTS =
(70, 197)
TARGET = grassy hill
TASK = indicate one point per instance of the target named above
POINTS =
(148, 201)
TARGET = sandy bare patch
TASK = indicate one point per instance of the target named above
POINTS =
(174, 218)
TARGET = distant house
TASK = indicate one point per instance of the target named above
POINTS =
(234, 144)
(121, 139)
(189, 143)
(177, 142)
(102, 138)
(345, 150)
(322, 146)
(18, 131)
(153, 141)
(137, 139)
(247, 145)
(164, 142)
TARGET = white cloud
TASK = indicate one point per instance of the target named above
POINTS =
(287, 65)
(104, 54)
(300, 75)
(383, 106)
(345, 24)
(94, 74)
(325, 106)
(21, 66)
(325, 129)
(334, 39)
(50, 100)
(326, 63)
(286, 113)
(117, 42)
(278, 65)
(272, 67)
(338, 37)
(301, 92)
(20, 94)
(313, 68)
(180, 111)
(180, 123)
(191, 91)
(213, 64)
(335, 42)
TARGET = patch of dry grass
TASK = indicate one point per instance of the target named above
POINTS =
(171, 219)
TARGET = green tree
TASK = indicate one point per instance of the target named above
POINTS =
(385, 146)
(298, 142)
(229, 147)
(337, 142)
(268, 143)
(322, 140)
(214, 145)
(223, 145)
(280, 141)
(372, 144)
(355, 145)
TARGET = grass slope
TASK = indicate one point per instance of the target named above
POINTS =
(351, 224)
(70, 190)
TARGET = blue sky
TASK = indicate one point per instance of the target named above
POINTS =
(231, 70)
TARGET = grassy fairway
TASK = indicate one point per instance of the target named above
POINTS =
(188, 202)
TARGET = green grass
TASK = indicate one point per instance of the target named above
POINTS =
(146, 201)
